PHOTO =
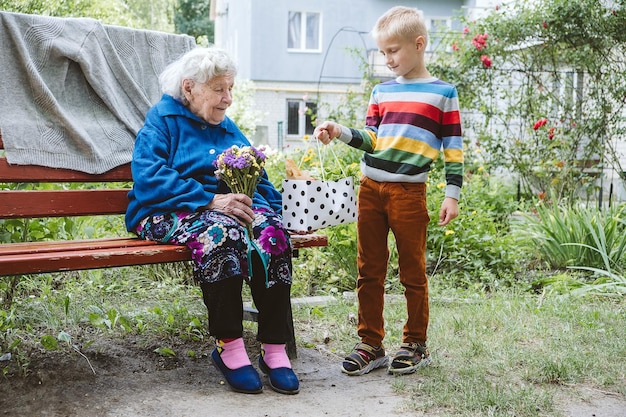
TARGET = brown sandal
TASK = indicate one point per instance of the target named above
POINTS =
(409, 358)
(363, 359)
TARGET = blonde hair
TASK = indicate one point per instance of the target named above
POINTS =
(400, 21)
(200, 65)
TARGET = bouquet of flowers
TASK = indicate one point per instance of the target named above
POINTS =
(241, 169)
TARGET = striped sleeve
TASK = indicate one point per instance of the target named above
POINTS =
(452, 143)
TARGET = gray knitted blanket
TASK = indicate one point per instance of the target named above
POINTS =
(74, 92)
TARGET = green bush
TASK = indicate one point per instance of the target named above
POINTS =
(585, 239)
(577, 235)
(476, 250)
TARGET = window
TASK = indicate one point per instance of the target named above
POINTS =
(309, 117)
(437, 27)
(378, 65)
(300, 116)
(568, 87)
(303, 31)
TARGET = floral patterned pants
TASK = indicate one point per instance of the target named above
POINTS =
(219, 244)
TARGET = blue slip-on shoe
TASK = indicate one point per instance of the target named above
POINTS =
(283, 380)
(245, 379)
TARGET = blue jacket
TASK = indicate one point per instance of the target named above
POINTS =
(173, 164)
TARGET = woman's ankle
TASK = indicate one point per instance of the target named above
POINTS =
(233, 353)
(275, 356)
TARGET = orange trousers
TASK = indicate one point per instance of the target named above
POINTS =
(401, 208)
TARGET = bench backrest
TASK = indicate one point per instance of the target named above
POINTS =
(36, 257)
(60, 203)
(26, 204)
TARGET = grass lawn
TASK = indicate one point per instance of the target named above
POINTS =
(505, 353)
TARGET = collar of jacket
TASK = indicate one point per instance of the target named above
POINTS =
(172, 107)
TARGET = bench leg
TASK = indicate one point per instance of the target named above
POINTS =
(291, 344)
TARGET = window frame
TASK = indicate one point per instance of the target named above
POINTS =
(303, 28)
(304, 119)
(432, 47)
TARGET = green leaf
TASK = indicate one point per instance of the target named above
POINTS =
(125, 323)
(113, 317)
(66, 304)
(165, 351)
(96, 319)
(49, 342)
(195, 323)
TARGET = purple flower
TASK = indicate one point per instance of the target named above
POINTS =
(273, 240)
(240, 168)
(240, 162)
(196, 250)
(229, 159)
(259, 153)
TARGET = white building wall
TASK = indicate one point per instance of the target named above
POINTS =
(236, 20)
(273, 96)
(615, 184)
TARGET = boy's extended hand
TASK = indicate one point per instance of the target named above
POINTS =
(327, 131)
(449, 210)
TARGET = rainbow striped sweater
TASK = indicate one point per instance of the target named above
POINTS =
(409, 122)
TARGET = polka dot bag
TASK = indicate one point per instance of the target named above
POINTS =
(315, 204)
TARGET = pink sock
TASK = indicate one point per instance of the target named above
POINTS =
(275, 356)
(233, 353)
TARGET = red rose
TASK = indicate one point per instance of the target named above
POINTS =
(540, 123)
(486, 61)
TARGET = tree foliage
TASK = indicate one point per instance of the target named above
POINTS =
(243, 110)
(192, 17)
(542, 85)
(139, 14)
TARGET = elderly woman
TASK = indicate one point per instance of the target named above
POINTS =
(177, 198)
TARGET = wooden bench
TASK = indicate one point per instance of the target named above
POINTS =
(55, 256)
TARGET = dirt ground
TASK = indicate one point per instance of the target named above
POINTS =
(132, 381)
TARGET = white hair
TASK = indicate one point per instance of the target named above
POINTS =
(200, 65)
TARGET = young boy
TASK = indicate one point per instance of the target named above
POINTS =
(409, 120)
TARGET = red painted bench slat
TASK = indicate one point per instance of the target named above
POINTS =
(35, 173)
(75, 259)
(86, 244)
(62, 203)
